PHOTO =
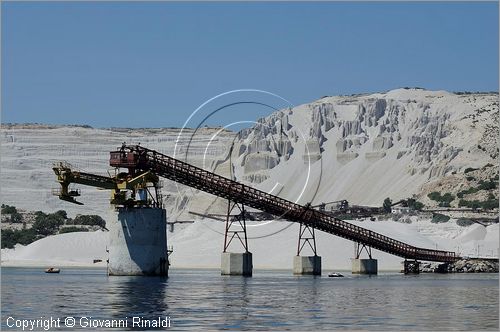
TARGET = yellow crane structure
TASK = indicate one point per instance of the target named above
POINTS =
(141, 189)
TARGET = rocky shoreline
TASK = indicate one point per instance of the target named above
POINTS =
(462, 266)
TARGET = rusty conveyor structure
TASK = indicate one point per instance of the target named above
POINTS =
(137, 158)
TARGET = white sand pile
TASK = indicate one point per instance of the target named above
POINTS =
(473, 233)
(70, 249)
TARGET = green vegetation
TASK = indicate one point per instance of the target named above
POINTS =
(47, 224)
(72, 229)
(387, 205)
(470, 169)
(491, 184)
(413, 204)
(464, 222)
(483, 185)
(11, 237)
(471, 190)
(444, 201)
(410, 203)
(475, 204)
(475, 92)
(489, 204)
(7, 209)
(62, 214)
(346, 216)
(439, 218)
(91, 220)
(16, 218)
(435, 196)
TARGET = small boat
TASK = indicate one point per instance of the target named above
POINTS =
(52, 270)
(335, 275)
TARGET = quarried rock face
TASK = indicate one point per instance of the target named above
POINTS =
(264, 146)
(434, 133)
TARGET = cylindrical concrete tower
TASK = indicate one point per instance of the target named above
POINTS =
(138, 242)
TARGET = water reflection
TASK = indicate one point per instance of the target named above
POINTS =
(203, 299)
(146, 297)
(235, 300)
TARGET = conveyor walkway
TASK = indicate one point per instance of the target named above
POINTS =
(137, 158)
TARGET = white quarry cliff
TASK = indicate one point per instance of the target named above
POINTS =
(365, 148)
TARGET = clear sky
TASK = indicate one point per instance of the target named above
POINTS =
(152, 64)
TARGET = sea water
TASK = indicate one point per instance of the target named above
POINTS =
(80, 298)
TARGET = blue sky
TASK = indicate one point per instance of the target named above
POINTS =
(152, 64)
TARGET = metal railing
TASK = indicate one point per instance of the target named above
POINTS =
(140, 158)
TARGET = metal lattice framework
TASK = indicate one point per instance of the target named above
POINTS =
(235, 226)
(358, 249)
(135, 157)
(306, 235)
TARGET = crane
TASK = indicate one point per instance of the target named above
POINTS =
(127, 189)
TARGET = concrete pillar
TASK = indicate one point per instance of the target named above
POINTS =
(236, 264)
(411, 267)
(138, 242)
(307, 265)
(364, 266)
(442, 268)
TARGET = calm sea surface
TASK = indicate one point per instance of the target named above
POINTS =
(202, 299)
